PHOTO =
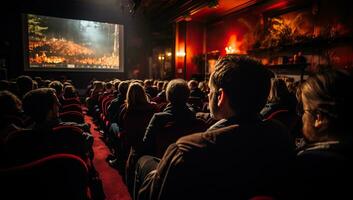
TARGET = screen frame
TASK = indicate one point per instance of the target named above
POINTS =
(25, 39)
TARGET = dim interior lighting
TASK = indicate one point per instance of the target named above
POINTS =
(180, 54)
(169, 54)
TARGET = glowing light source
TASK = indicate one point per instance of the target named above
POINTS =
(233, 44)
(230, 50)
(180, 54)
(169, 54)
(161, 57)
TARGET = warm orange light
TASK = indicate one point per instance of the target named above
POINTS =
(180, 54)
(233, 45)
(161, 57)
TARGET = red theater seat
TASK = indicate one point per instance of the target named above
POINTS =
(70, 101)
(58, 176)
(72, 107)
(72, 116)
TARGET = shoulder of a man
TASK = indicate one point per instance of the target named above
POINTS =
(206, 139)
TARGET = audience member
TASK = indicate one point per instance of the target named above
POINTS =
(24, 85)
(133, 120)
(238, 157)
(324, 165)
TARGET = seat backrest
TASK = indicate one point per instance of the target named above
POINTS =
(68, 139)
(71, 107)
(172, 131)
(69, 101)
(58, 176)
(26, 145)
(278, 114)
(72, 116)
(289, 119)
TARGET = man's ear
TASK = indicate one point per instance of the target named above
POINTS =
(220, 97)
(320, 121)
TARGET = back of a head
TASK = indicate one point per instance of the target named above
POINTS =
(37, 103)
(279, 91)
(177, 92)
(108, 85)
(9, 103)
(246, 82)
(148, 83)
(116, 83)
(24, 84)
(326, 93)
(98, 85)
(136, 95)
(58, 86)
(193, 84)
(70, 92)
(123, 86)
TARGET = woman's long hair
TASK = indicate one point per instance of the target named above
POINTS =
(136, 95)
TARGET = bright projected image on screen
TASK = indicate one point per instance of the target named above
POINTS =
(79, 45)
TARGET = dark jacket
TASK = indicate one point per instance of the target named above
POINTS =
(235, 162)
(173, 115)
(323, 170)
(115, 108)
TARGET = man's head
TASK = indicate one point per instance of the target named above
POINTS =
(41, 104)
(327, 105)
(24, 84)
(193, 84)
(177, 92)
(9, 103)
(239, 86)
(58, 86)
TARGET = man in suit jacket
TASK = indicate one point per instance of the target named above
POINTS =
(240, 156)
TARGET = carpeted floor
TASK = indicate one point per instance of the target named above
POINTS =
(113, 185)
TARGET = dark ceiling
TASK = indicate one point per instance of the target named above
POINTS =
(167, 11)
(157, 11)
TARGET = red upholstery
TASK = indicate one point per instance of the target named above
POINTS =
(69, 139)
(278, 114)
(58, 176)
(70, 101)
(26, 145)
(72, 107)
(72, 116)
(289, 119)
(262, 198)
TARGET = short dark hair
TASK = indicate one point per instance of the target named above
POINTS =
(37, 103)
(123, 87)
(24, 84)
(177, 91)
(326, 93)
(9, 103)
(245, 80)
(58, 86)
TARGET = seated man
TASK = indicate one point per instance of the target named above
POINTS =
(238, 157)
(177, 116)
(42, 106)
(324, 165)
